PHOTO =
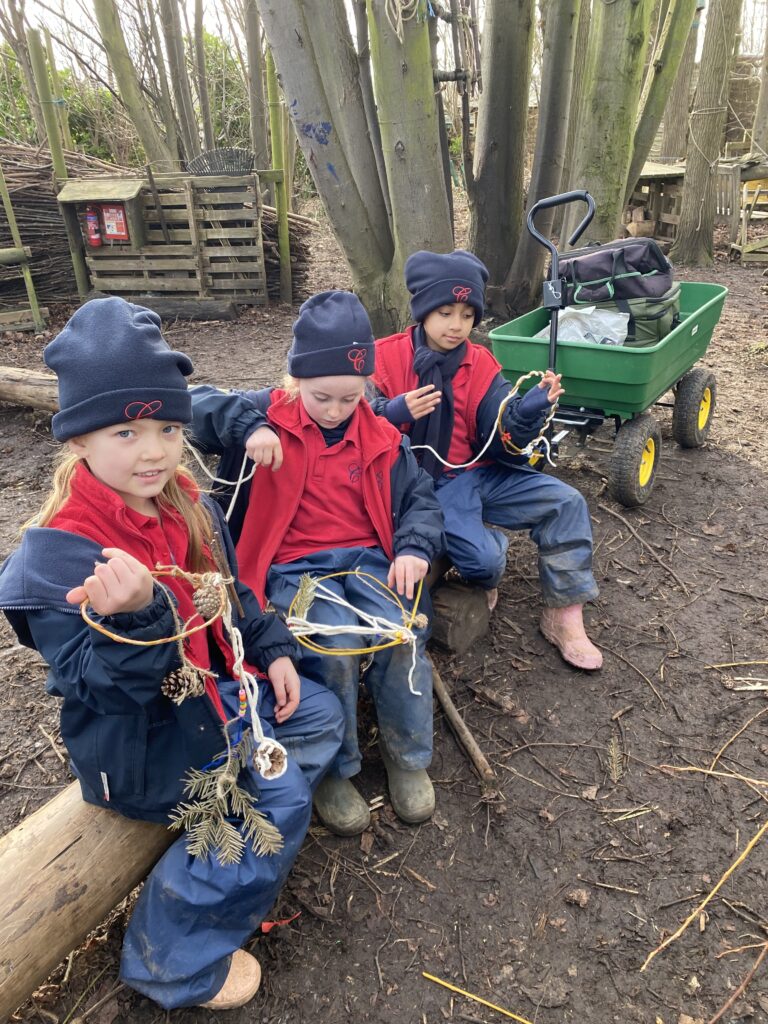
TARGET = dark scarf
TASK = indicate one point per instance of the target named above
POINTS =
(436, 368)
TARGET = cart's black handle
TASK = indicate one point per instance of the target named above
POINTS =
(562, 200)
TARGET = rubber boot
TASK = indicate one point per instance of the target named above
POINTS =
(411, 792)
(564, 627)
(340, 807)
(241, 985)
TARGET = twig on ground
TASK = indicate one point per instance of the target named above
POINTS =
(648, 547)
(708, 771)
(740, 990)
(477, 999)
(693, 916)
(462, 733)
(735, 736)
(52, 741)
(636, 669)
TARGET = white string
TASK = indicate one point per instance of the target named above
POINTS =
(237, 484)
(377, 626)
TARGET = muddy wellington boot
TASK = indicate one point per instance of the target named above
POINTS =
(241, 984)
(340, 807)
(410, 791)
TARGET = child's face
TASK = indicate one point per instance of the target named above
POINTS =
(331, 400)
(447, 326)
(134, 459)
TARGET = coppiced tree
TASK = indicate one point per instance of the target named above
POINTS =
(693, 243)
(14, 28)
(674, 136)
(619, 40)
(257, 104)
(177, 65)
(759, 147)
(319, 74)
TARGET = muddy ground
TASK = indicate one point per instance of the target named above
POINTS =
(546, 897)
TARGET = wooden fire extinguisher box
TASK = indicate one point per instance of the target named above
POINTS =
(117, 204)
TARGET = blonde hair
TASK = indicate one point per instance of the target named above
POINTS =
(174, 497)
(291, 387)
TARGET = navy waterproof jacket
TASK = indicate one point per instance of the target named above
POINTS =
(130, 746)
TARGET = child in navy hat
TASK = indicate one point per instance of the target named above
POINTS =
(337, 494)
(137, 719)
(445, 392)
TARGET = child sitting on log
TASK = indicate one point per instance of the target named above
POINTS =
(139, 713)
(445, 392)
(337, 493)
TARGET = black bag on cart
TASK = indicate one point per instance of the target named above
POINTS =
(629, 268)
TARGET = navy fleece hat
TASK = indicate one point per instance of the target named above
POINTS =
(437, 279)
(332, 337)
(113, 366)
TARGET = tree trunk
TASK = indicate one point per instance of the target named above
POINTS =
(575, 109)
(113, 40)
(158, 68)
(522, 286)
(496, 195)
(174, 47)
(200, 74)
(14, 28)
(619, 37)
(61, 872)
(369, 103)
(256, 101)
(759, 147)
(318, 71)
(661, 76)
(410, 142)
(693, 244)
(674, 136)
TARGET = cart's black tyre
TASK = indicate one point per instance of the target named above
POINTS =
(695, 398)
(636, 455)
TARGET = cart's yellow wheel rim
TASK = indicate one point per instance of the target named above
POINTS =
(647, 461)
(705, 408)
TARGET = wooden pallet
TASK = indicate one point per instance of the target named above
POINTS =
(203, 240)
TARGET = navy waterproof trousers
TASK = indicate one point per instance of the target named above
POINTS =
(519, 498)
(193, 913)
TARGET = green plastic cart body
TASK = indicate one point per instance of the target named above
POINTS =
(614, 380)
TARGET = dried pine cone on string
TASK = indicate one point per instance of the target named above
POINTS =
(183, 682)
(209, 595)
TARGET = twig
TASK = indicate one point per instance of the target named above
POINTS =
(708, 771)
(750, 975)
(692, 917)
(52, 741)
(646, 545)
(736, 664)
(477, 999)
(735, 736)
(462, 733)
(639, 672)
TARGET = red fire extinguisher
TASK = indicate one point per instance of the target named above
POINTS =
(92, 229)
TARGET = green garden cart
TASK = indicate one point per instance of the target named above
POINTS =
(619, 383)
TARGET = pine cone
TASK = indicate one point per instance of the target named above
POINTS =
(175, 685)
(207, 599)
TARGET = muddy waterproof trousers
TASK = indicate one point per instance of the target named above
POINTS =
(404, 712)
(519, 498)
(193, 913)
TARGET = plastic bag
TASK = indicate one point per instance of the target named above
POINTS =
(588, 323)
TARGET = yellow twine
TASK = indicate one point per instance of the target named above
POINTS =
(454, 988)
(337, 651)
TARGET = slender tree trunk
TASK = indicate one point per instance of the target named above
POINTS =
(174, 47)
(759, 147)
(522, 286)
(410, 141)
(160, 72)
(14, 28)
(202, 80)
(318, 71)
(111, 32)
(256, 100)
(369, 103)
(693, 243)
(575, 111)
(674, 136)
(496, 193)
(661, 76)
(619, 37)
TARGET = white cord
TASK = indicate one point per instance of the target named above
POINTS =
(237, 484)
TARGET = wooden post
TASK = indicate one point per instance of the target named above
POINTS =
(23, 261)
(61, 871)
(74, 237)
(281, 197)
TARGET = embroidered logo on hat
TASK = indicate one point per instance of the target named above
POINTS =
(141, 410)
(356, 356)
(461, 293)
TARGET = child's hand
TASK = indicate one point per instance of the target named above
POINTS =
(263, 446)
(405, 572)
(287, 686)
(551, 380)
(121, 584)
(422, 401)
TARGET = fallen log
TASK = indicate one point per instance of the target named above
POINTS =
(461, 616)
(62, 870)
(29, 387)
